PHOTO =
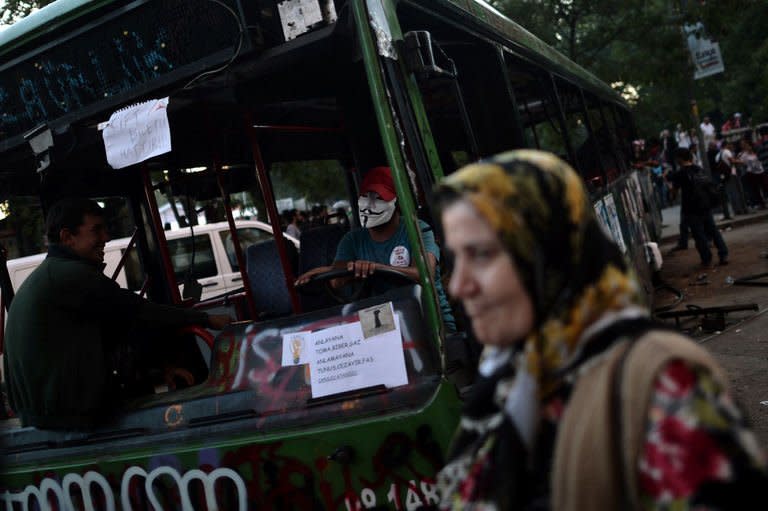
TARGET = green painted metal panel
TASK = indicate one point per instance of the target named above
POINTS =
(392, 143)
(387, 461)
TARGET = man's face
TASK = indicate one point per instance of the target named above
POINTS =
(88, 240)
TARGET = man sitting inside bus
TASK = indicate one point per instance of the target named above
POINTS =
(383, 241)
(65, 321)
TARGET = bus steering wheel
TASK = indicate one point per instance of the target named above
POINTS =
(359, 288)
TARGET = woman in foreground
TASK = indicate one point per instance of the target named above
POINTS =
(583, 403)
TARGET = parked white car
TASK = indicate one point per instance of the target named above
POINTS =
(215, 265)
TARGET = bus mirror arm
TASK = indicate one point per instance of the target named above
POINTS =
(420, 51)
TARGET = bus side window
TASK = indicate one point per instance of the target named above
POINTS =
(470, 112)
(621, 146)
(247, 237)
(134, 275)
(489, 106)
(181, 257)
(577, 127)
(537, 107)
(604, 154)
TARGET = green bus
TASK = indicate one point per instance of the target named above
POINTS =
(273, 106)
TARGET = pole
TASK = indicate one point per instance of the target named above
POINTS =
(691, 99)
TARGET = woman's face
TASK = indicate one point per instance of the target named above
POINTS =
(485, 278)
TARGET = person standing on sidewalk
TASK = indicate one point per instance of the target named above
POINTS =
(719, 179)
(708, 131)
(696, 207)
(682, 137)
(761, 147)
(732, 178)
(754, 175)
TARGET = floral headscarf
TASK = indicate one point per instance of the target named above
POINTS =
(575, 276)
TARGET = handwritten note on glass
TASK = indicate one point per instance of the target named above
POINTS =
(137, 133)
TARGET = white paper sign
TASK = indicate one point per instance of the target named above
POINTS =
(137, 133)
(297, 16)
(343, 359)
(705, 53)
(614, 223)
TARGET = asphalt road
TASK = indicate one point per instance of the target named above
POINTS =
(742, 346)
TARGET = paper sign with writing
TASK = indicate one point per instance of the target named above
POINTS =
(137, 133)
(343, 359)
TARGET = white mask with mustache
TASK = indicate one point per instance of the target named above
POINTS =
(375, 212)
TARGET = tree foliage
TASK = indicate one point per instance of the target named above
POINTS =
(14, 10)
(639, 43)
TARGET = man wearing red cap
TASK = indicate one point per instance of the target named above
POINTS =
(383, 241)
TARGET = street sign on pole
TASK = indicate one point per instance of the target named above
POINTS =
(705, 53)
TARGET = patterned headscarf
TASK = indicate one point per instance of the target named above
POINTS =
(575, 276)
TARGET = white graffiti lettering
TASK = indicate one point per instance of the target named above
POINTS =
(63, 499)
(208, 481)
(61, 492)
(413, 500)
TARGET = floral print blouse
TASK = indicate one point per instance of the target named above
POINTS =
(696, 439)
(698, 454)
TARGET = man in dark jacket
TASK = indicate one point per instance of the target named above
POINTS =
(696, 206)
(65, 320)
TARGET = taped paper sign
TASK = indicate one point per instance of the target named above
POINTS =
(353, 355)
(614, 223)
(137, 133)
(295, 349)
(377, 320)
(300, 16)
(608, 218)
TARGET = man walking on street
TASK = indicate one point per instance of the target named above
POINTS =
(696, 206)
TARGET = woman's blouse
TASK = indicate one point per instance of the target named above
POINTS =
(696, 449)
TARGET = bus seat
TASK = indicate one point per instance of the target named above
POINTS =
(318, 248)
(267, 280)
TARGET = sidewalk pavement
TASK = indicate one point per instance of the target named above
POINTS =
(670, 221)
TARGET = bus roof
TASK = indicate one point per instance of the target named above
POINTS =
(508, 29)
(45, 20)
(62, 11)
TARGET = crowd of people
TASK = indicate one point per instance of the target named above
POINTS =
(741, 175)
(728, 177)
(295, 221)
